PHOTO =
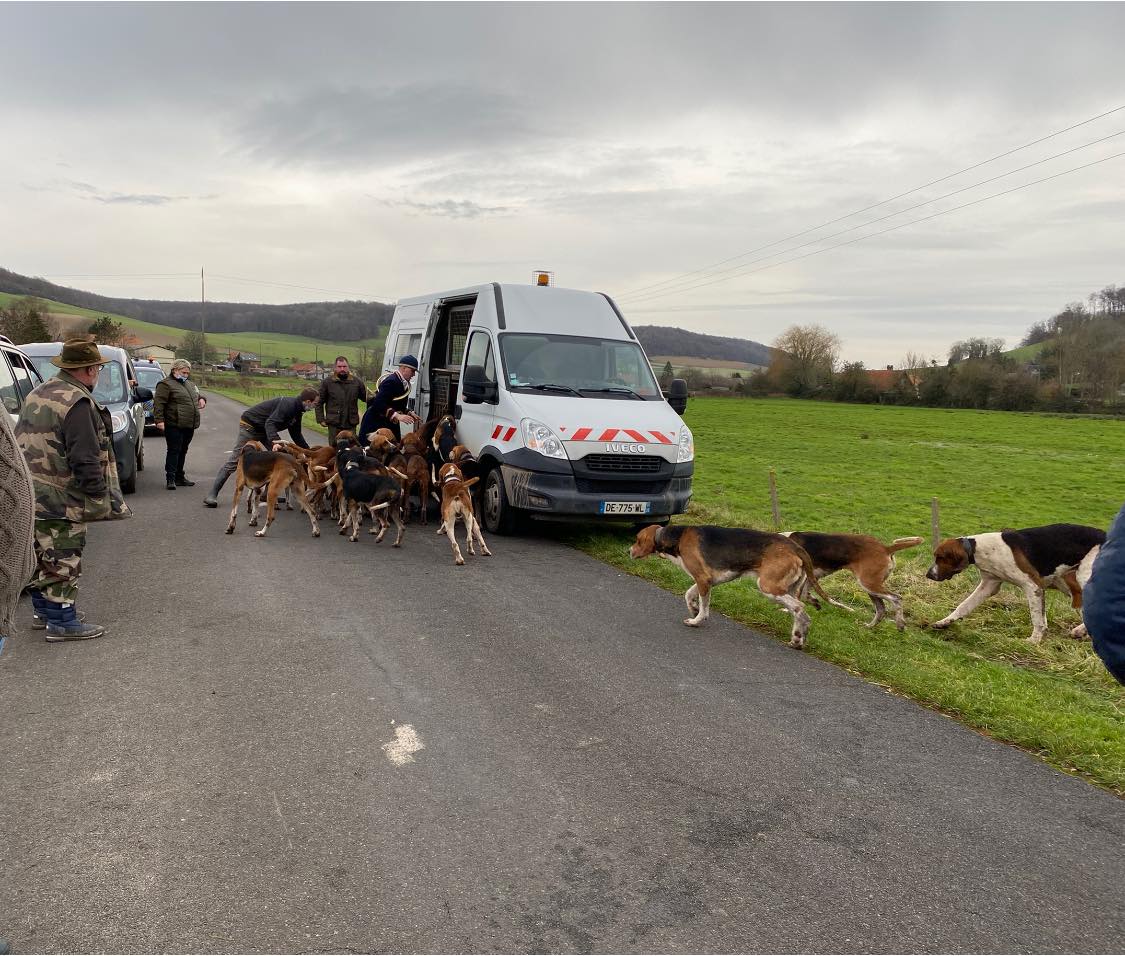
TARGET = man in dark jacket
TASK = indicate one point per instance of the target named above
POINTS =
(387, 407)
(338, 400)
(1103, 600)
(262, 422)
(66, 438)
(176, 407)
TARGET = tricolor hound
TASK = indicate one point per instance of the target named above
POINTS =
(713, 555)
(1056, 556)
(866, 557)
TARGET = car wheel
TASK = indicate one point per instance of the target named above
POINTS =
(129, 485)
(141, 456)
(497, 515)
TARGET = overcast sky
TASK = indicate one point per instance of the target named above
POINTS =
(384, 150)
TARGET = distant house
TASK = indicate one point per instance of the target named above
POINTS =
(156, 353)
(312, 370)
(244, 362)
(890, 379)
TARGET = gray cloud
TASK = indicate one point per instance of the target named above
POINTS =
(449, 208)
(359, 127)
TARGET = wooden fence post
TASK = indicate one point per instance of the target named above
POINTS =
(773, 501)
(935, 522)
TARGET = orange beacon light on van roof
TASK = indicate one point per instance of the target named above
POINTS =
(543, 277)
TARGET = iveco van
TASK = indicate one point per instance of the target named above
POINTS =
(554, 395)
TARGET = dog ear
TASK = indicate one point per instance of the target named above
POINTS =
(658, 538)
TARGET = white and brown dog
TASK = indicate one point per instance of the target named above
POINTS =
(713, 555)
(457, 502)
(866, 557)
(1056, 556)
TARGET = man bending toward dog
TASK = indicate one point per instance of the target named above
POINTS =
(261, 423)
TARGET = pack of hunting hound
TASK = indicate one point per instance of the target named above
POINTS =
(380, 481)
(383, 479)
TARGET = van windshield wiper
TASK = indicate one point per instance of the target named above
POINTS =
(620, 389)
(545, 386)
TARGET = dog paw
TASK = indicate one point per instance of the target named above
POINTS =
(1079, 632)
(797, 642)
(940, 625)
(691, 622)
(260, 534)
(230, 531)
(316, 533)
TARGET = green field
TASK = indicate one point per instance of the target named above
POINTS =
(288, 349)
(875, 469)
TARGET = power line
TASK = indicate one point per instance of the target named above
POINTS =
(912, 222)
(192, 275)
(676, 279)
(672, 291)
(306, 288)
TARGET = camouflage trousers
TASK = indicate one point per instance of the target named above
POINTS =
(58, 558)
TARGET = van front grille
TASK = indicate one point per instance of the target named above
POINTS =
(627, 464)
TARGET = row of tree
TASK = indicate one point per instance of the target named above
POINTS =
(1079, 367)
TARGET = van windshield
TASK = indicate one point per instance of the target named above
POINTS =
(576, 365)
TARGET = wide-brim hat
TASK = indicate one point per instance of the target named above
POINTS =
(409, 361)
(78, 353)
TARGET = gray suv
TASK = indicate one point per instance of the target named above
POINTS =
(118, 391)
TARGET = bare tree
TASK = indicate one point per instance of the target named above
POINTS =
(810, 354)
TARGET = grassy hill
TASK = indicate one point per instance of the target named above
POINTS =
(270, 345)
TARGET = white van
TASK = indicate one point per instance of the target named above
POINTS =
(555, 396)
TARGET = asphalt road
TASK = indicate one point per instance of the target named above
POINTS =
(235, 767)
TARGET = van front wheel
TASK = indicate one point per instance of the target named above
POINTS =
(497, 515)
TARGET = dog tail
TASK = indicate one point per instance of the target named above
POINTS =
(397, 473)
(901, 543)
(810, 574)
(469, 482)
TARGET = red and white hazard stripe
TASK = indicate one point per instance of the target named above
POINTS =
(610, 434)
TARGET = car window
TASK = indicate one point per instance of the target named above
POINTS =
(9, 394)
(479, 356)
(149, 377)
(25, 378)
(111, 385)
(44, 366)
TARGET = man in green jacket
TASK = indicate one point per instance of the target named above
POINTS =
(66, 437)
(176, 407)
(338, 400)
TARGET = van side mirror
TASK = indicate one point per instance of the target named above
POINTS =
(142, 394)
(677, 395)
(476, 389)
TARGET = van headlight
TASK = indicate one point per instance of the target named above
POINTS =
(687, 445)
(120, 421)
(538, 437)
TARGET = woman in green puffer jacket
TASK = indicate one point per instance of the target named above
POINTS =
(176, 407)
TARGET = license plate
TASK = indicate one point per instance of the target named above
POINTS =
(625, 507)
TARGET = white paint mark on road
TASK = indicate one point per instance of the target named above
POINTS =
(406, 743)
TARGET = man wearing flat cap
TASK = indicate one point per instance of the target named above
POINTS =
(176, 406)
(67, 439)
(387, 407)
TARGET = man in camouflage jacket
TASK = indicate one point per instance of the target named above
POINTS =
(66, 438)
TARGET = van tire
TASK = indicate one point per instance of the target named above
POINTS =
(129, 485)
(497, 516)
(141, 456)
